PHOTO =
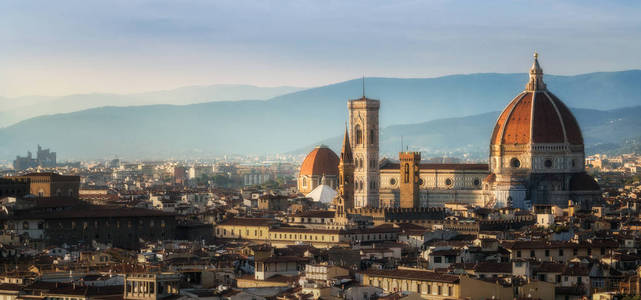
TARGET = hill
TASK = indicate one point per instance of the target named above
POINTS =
(13, 110)
(432, 110)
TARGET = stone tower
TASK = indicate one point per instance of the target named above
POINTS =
(410, 179)
(345, 198)
(363, 122)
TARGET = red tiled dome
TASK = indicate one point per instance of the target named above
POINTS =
(321, 161)
(536, 116)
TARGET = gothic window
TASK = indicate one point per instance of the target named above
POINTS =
(371, 137)
(406, 173)
(359, 135)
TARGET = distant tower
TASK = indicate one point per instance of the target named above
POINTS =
(410, 179)
(345, 199)
(363, 122)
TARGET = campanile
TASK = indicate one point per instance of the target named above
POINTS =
(363, 123)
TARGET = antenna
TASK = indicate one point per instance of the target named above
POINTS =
(363, 85)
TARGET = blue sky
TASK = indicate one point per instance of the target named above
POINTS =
(65, 47)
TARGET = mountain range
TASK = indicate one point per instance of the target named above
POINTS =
(13, 110)
(450, 114)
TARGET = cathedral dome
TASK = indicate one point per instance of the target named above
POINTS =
(536, 116)
(321, 161)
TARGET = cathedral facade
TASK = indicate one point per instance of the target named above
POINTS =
(536, 157)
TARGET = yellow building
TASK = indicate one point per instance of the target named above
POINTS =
(432, 285)
(558, 251)
(318, 237)
(437, 286)
(244, 228)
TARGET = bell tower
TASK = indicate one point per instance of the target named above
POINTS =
(363, 123)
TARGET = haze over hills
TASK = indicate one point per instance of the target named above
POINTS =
(433, 110)
(455, 137)
(13, 110)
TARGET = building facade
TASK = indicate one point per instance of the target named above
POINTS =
(48, 185)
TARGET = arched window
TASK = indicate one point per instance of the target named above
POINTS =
(407, 173)
(371, 136)
(359, 135)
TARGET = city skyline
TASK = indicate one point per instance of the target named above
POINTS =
(330, 150)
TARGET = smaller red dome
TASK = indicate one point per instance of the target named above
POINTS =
(321, 161)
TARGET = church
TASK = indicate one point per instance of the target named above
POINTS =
(536, 157)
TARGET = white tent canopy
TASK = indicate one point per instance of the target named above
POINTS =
(323, 193)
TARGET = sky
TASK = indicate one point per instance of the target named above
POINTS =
(58, 48)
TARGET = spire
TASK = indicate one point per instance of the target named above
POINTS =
(323, 180)
(346, 151)
(536, 76)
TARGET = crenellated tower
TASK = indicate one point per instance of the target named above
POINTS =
(410, 179)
